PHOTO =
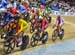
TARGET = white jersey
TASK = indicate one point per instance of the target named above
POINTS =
(61, 21)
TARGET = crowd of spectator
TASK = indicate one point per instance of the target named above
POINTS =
(56, 5)
(53, 4)
(62, 6)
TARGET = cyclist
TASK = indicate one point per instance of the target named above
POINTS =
(6, 17)
(41, 20)
(19, 25)
(23, 25)
(59, 23)
(44, 23)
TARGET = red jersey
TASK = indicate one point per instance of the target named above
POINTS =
(44, 24)
(12, 25)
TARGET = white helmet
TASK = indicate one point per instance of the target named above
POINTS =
(40, 17)
(2, 10)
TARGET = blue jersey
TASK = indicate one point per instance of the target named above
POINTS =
(7, 18)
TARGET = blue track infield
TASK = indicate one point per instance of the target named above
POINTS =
(55, 49)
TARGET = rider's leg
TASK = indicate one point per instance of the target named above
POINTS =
(60, 25)
(20, 38)
(58, 28)
(20, 41)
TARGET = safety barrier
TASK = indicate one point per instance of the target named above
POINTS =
(63, 13)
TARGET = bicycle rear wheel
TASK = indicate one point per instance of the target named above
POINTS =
(25, 42)
(44, 37)
(62, 35)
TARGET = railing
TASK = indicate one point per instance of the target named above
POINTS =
(63, 13)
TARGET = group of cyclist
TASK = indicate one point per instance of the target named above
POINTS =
(19, 14)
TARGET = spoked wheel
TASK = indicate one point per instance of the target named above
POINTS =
(62, 34)
(54, 35)
(25, 42)
(44, 37)
(31, 29)
(35, 39)
(8, 46)
(32, 26)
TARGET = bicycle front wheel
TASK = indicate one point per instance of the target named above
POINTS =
(8, 46)
(54, 35)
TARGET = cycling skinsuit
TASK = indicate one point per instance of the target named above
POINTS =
(61, 22)
(22, 26)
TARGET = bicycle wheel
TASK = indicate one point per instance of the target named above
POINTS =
(25, 42)
(62, 35)
(35, 39)
(54, 35)
(8, 46)
(44, 37)
(31, 29)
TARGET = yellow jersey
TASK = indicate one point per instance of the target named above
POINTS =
(23, 25)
